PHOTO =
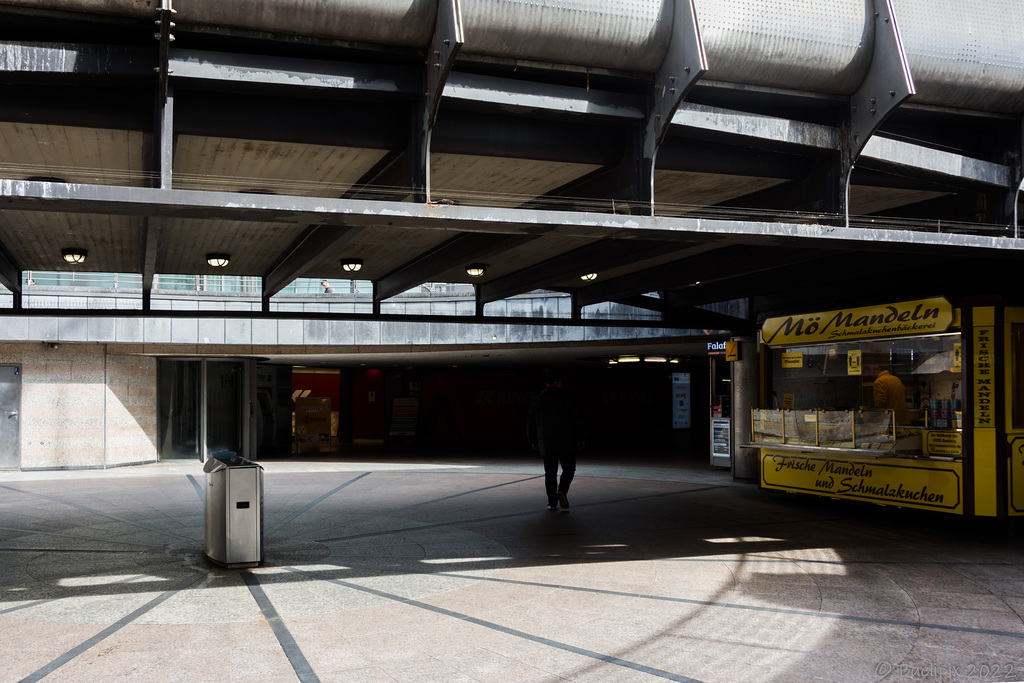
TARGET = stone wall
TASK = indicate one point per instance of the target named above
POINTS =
(131, 410)
(84, 408)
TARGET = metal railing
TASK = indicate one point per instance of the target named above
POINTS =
(122, 292)
(75, 280)
(519, 200)
(238, 286)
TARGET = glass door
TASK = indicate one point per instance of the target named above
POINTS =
(225, 400)
(202, 407)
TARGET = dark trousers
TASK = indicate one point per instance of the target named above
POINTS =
(567, 459)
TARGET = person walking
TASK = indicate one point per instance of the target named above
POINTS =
(554, 427)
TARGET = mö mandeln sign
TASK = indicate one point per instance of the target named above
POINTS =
(924, 316)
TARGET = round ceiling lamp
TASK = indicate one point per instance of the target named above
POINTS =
(74, 254)
(589, 277)
(476, 269)
(218, 260)
(351, 265)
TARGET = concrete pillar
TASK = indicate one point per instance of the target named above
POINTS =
(745, 390)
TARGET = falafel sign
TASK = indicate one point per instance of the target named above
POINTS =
(923, 316)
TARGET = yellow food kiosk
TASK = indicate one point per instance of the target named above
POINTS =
(917, 404)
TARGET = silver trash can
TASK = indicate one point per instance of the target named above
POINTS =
(234, 510)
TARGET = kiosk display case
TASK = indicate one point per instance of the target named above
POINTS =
(912, 404)
(877, 404)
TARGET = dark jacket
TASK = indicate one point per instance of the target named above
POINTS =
(554, 422)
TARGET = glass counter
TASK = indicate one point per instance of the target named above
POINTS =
(871, 433)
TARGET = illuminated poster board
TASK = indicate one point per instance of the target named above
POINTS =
(721, 438)
(312, 420)
(404, 412)
(681, 399)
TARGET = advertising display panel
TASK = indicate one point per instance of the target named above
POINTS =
(925, 316)
(867, 403)
(681, 398)
(312, 420)
(923, 484)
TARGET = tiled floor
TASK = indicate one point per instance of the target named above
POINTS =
(398, 571)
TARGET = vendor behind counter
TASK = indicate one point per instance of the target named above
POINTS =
(888, 393)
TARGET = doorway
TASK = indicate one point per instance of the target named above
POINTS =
(203, 407)
(226, 418)
(10, 417)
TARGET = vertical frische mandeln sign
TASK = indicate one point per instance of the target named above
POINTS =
(984, 377)
(923, 316)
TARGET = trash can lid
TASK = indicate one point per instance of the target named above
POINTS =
(213, 465)
(222, 460)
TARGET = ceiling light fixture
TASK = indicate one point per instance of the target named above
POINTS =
(476, 269)
(218, 260)
(351, 265)
(589, 277)
(74, 254)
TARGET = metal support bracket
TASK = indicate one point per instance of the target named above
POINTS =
(10, 275)
(151, 227)
(163, 140)
(448, 38)
(149, 245)
(685, 62)
(445, 44)
(887, 84)
(303, 254)
(1016, 209)
(1018, 174)
(164, 35)
(478, 302)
